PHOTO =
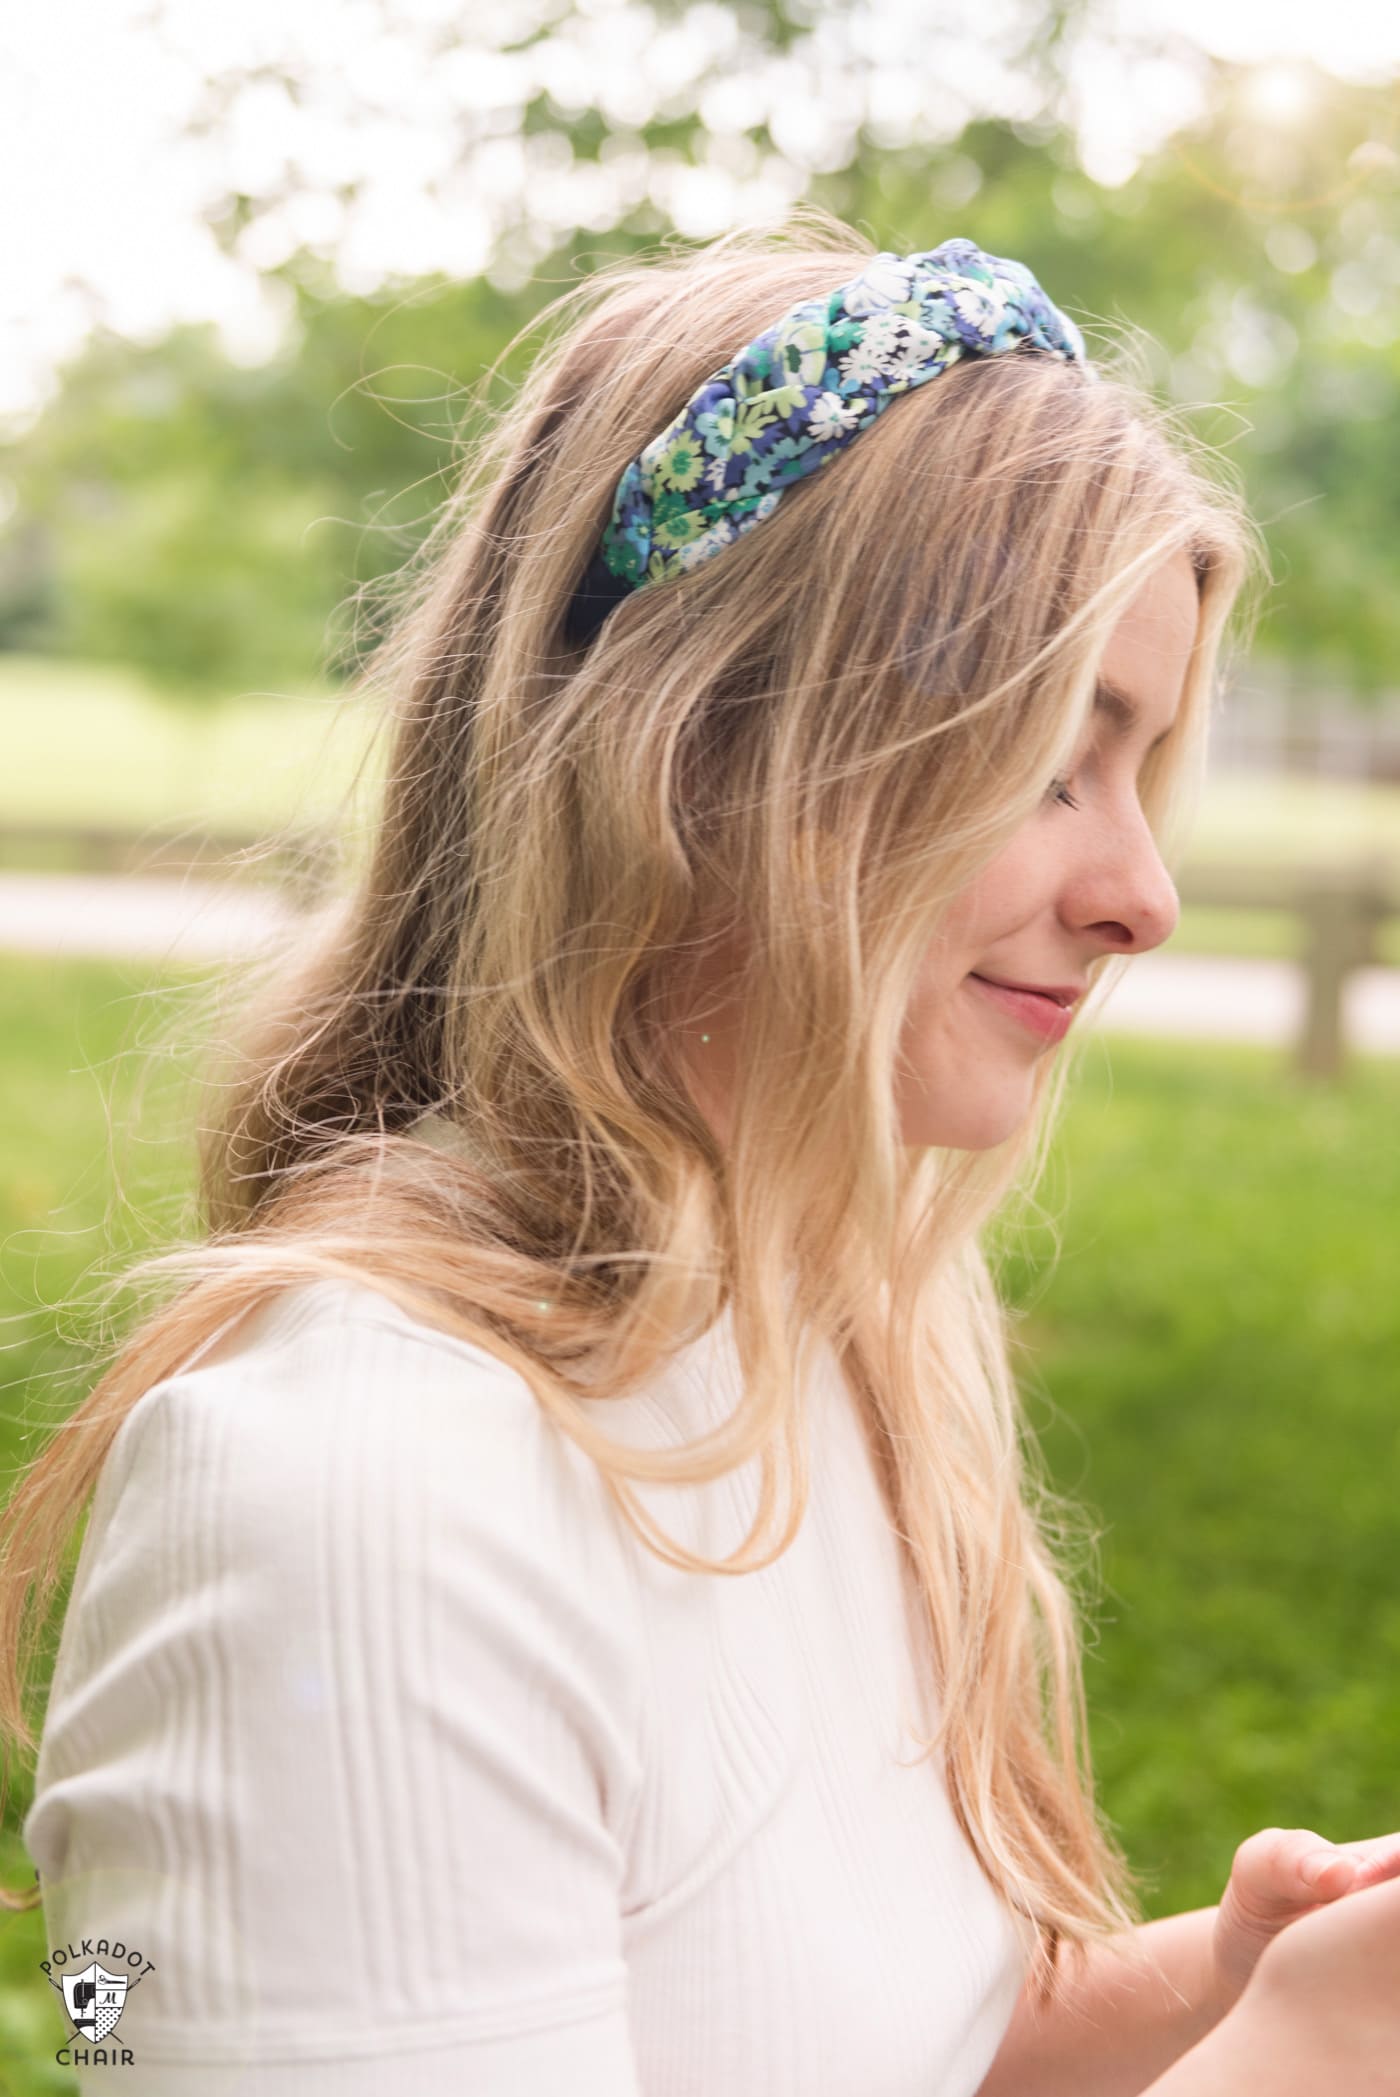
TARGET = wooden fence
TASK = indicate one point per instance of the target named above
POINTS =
(1271, 724)
(299, 861)
(1341, 909)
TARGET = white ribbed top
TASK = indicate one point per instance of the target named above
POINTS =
(378, 1733)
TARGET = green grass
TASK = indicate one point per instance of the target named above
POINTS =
(1213, 1364)
(87, 744)
(1210, 1364)
(76, 1202)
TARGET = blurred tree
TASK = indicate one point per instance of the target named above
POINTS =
(1259, 275)
(212, 522)
(209, 522)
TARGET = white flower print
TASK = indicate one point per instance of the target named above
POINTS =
(831, 417)
(883, 282)
(881, 336)
(860, 365)
(895, 342)
(981, 305)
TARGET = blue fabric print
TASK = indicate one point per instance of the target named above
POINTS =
(788, 401)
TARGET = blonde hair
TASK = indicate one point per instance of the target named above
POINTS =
(820, 737)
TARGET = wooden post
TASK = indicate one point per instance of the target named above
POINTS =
(1340, 912)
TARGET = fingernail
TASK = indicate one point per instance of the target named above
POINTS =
(1313, 1867)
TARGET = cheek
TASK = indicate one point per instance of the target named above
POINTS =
(941, 1042)
(1016, 884)
(946, 1050)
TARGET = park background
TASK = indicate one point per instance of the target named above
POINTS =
(255, 308)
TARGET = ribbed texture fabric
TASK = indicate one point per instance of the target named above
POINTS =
(408, 1768)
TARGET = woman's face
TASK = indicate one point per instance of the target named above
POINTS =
(1073, 883)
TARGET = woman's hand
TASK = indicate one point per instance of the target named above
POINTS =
(1279, 1875)
(1324, 2000)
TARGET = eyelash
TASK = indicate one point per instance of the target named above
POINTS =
(1058, 790)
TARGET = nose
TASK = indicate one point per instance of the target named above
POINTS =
(1125, 894)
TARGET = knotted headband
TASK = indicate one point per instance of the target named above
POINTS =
(789, 400)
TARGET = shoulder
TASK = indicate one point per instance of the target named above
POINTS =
(338, 1368)
(334, 1438)
(352, 1605)
(345, 1337)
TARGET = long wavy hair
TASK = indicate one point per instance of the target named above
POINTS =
(465, 1080)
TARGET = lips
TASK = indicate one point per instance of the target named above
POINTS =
(1065, 994)
(1032, 1007)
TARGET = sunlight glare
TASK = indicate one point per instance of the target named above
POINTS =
(1279, 94)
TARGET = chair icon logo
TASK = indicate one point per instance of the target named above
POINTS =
(94, 2000)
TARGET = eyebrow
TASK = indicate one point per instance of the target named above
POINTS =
(1122, 709)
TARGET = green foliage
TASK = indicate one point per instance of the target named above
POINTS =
(211, 524)
(1254, 272)
(215, 525)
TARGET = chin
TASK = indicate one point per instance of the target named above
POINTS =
(974, 1127)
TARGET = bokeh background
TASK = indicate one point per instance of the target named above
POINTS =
(260, 267)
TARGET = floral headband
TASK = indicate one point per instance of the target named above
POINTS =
(789, 400)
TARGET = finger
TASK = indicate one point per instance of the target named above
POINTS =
(1303, 1858)
(1347, 1865)
(1281, 1870)
(1377, 1858)
(1273, 1875)
(1326, 1871)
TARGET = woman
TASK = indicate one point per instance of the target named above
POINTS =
(595, 1208)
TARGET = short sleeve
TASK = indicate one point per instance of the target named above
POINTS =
(341, 1743)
